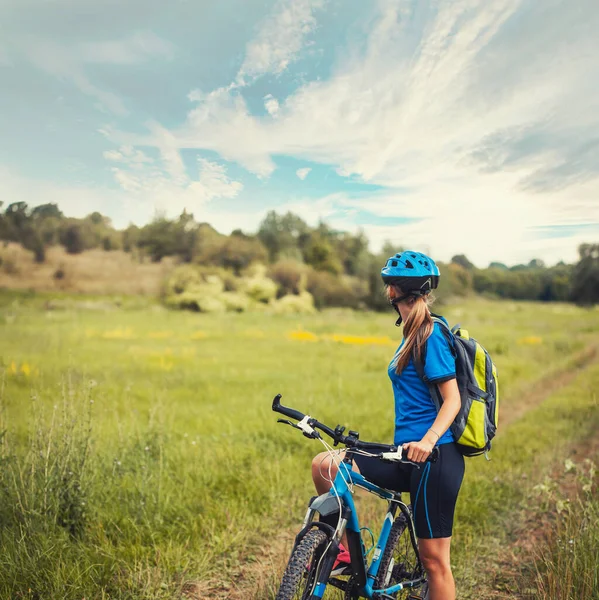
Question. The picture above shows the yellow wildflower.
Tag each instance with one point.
(302, 336)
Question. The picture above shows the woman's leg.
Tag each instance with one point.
(434, 491)
(324, 470)
(435, 558)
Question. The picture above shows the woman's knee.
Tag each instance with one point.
(435, 564)
(324, 467)
(319, 462)
(435, 557)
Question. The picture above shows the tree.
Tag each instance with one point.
(73, 239)
(47, 219)
(536, 263)
(47, 211)
(353, 253)
(585, 279)
(320, 254)
(460, 259)
(130, 238)
(281, 234)
(236, 252)
(19, 226)
(159, 238)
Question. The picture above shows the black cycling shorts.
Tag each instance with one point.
(433, 487)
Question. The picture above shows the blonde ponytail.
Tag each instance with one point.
(417, 329)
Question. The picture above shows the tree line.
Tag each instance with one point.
(336, 267)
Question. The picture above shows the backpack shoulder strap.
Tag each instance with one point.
(419, 363)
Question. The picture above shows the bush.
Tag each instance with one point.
(212, 290)
(257, 285)
(294, 304)
(180, 279)
(235, 302)
(329, 290)
(10, 263)
(290, 277)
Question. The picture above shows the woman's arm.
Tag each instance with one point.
(419, 451)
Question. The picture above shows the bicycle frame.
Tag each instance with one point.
(365, 576)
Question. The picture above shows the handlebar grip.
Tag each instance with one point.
(284, 410)
(433, 456)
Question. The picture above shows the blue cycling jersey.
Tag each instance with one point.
(415, 411)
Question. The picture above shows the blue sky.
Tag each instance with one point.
(451, 126)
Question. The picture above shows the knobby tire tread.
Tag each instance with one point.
(292, 577)
(398, 527)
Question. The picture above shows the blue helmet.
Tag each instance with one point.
(413, 272)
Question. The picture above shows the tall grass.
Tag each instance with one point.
(567, 567)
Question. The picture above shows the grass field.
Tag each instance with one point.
(141, 459)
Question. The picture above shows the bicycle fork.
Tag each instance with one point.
(328, 559)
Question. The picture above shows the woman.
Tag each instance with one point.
(409, 278)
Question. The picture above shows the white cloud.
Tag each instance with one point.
(165, 186)
(303, 173)
(213, 182)
(279, 40)
(271, 104)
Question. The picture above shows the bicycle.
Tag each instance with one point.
(395, 570)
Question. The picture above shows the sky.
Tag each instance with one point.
(447, 126)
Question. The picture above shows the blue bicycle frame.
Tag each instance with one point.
(340, 493)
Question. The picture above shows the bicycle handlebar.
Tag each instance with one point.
(308, 425)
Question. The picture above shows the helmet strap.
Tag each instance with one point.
(395, 301)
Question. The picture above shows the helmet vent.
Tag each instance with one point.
(413, 255)
(394, 263)
(409, 265)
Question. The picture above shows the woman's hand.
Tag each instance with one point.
(418, 451)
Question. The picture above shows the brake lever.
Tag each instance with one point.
(287, 422)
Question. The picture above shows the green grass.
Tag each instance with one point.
(141, 452)
(566, 566)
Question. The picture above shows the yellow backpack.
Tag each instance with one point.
(476, 423)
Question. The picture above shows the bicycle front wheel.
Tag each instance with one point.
(300, 575)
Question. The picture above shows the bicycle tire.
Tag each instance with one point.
(399, 561)
(300, 572)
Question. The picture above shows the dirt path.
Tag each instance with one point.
(533, 395)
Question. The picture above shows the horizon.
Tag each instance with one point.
(254, 233)
(466, 128)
